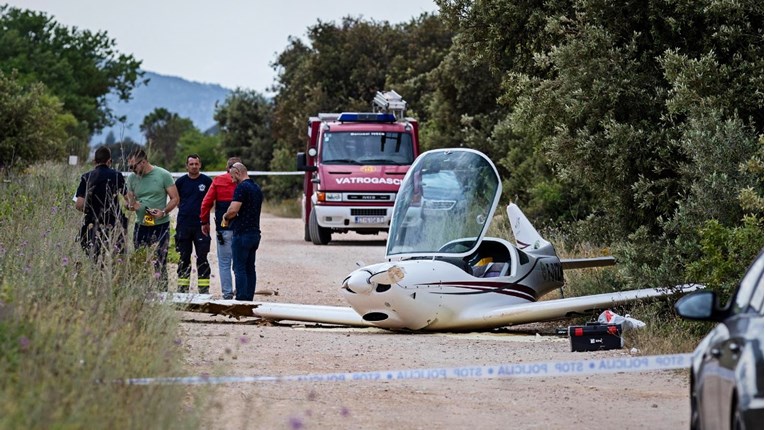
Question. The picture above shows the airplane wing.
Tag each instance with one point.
(271, 311)
(582, 263)
(566, 308)
(204, 303)
(310, 313)
(480, 319)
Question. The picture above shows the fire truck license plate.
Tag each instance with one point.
(370, 219)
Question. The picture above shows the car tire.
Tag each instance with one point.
(695, 417)
(737, 420)
(319, 235)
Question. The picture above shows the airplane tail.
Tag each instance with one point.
(526, 236)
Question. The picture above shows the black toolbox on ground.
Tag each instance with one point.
(595, 337)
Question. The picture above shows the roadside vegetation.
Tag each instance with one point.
(71, 329)
(665, 332)
(283, 208)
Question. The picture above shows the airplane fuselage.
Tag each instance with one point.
(439, 295)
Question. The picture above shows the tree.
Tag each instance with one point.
(78, 67)
(34, 126)
(163, 130)
(206, 146)
(341, 69)
(652, 112)
(121, 150)
(110, 139)
(245, 128)
(347, 63)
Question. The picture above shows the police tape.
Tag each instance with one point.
(516, 370)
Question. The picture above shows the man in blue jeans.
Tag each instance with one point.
(243, 215)
(220, 194)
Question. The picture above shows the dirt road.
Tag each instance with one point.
(304, 273)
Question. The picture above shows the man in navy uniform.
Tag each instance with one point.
(192, 188)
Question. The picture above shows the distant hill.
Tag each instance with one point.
(188, 99)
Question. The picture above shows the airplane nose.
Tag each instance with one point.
(392, 275)
(359, 283)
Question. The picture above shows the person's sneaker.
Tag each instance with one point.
(228, 297)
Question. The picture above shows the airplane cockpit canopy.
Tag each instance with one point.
(444, 205)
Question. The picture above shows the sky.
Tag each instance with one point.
(226, 42)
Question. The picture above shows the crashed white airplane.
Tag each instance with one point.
(441, 272)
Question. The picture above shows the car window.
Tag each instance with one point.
(756, 303)
(746, 291)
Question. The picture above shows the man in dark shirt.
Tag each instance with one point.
(192, 188)
(244, 216)
(104, 225)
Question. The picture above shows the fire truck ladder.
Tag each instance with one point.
(389, 102)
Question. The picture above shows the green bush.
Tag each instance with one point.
(726, 253)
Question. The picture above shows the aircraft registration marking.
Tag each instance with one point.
(551, 272)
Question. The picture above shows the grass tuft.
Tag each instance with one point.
(283, 208)
(70, 327)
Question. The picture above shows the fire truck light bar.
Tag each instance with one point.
(366, 117)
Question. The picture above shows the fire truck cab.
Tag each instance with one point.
(354, 163)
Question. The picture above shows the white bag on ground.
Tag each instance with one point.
(627, 322)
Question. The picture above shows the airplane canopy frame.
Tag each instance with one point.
(444, 206)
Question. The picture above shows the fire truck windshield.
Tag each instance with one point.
(378, 148)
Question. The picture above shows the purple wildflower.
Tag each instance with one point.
(244, 339)
(24, 343)
(344, 411)
(296, 423)
(64, 261)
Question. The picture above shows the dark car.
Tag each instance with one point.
(726, 373)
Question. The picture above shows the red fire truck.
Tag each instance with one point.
(354, 163)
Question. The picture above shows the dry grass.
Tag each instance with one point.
(283, 208)
(71, 328)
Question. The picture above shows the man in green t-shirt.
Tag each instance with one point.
(152, 195)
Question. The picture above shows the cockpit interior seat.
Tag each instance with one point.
(495, 269)
(480, 270)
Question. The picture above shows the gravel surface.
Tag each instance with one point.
(300, 272)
